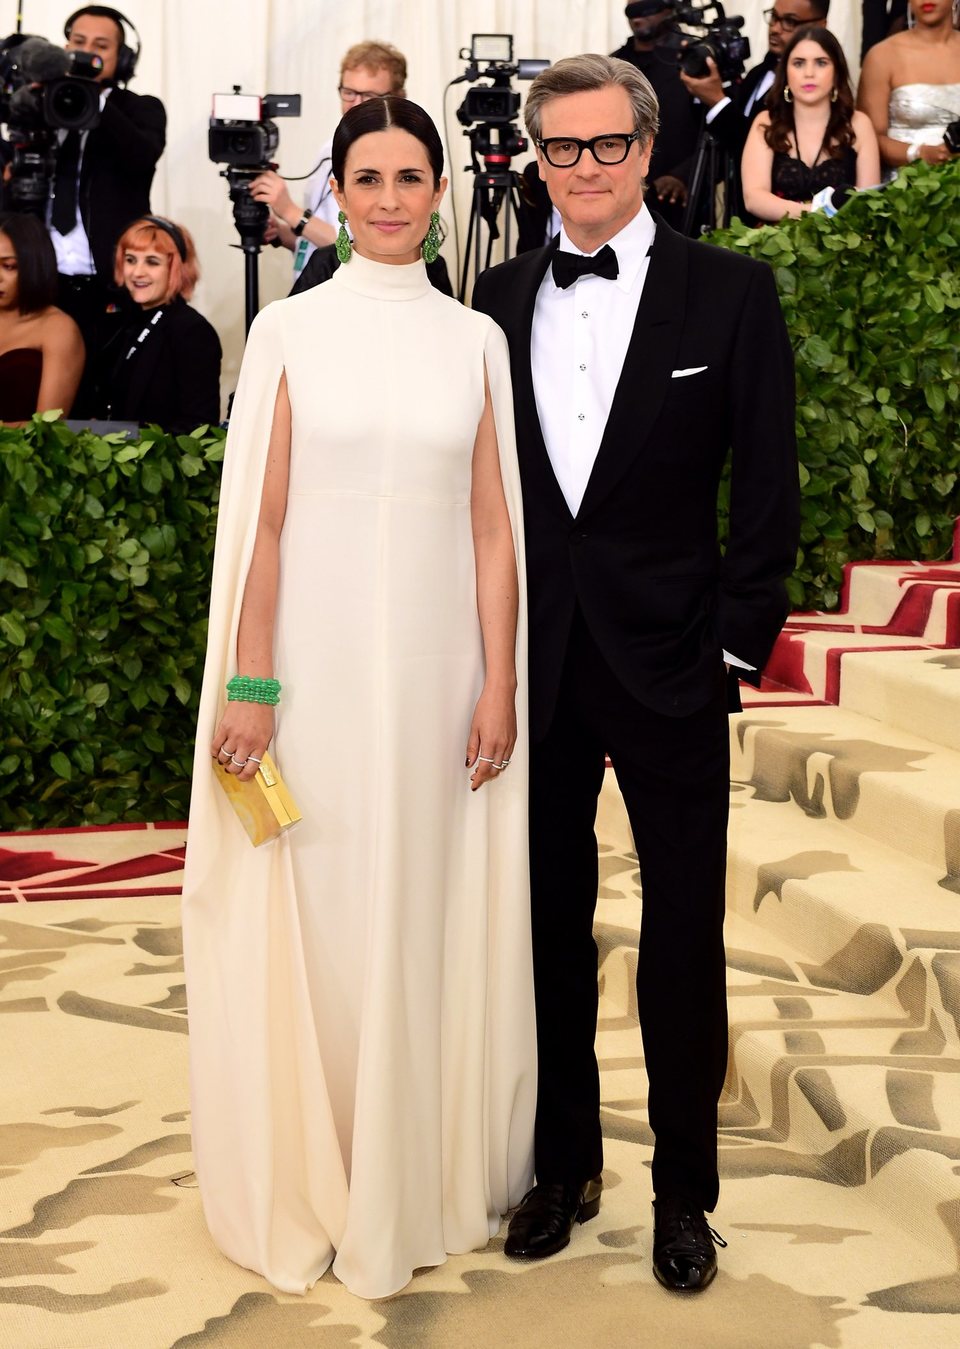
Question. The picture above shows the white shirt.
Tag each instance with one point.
(578, 344)
(577, 348)
(765, 83)
(74, 256)
(319, 199)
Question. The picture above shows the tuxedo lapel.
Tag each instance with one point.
(647, 367)
(531, 447)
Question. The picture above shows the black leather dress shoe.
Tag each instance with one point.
(684, 1259)
(543, 1222)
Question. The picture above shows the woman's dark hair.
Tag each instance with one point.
(36, 261)
(839, 133)
(378, 114)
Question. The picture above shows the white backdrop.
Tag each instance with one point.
(193, 48)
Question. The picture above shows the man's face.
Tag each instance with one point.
(358, 83)
(786, 17)
(647, 27)
(595, 200)
(99, 36)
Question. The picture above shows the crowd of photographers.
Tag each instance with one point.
(93, 295)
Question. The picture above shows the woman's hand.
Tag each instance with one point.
(935, 154)
(244, 733)
(493, 734)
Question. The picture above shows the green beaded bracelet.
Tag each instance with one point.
(247, 689)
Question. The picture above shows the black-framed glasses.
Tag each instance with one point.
(788, 22)
(565, 151)
(357, 95)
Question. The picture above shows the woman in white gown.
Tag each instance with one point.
(360, 992)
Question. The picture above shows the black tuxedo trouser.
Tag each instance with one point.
(673, 773)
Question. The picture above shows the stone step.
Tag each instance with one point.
(916, 691)
(884, 783)
(809, 660)
(915, 598)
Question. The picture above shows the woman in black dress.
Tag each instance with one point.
(163, 366)
(809, 137)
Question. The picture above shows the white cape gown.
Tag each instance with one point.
(362, 1037)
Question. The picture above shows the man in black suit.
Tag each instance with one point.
(730, 113)
(103, 177)
(641, 359)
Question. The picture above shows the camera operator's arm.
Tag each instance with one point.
(63, 360)
(756, 172)
(270, 188)
(134, 130)
(873, 98)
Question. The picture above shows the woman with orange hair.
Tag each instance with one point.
(163, 366)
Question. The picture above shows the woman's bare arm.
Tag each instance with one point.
(63, 360)
(756, 169)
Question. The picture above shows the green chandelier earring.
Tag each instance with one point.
(342, 244)
(431, 243)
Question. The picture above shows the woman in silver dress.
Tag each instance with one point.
(910, 86)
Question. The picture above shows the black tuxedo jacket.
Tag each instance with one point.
(731, 124)
(119, 160)
(641, 557)
(174, 378)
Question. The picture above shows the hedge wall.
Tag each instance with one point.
(105, 546)
(105, 556)
(872, 301)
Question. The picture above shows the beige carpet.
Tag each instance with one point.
(102, 1242)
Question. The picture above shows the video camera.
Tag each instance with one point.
(43, 90)
(494, 105)
(695, 39)
(242, 132)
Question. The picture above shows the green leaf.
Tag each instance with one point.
(98, 694)
(816, 351)
(934, 298)
(61, 765)
(13, 629)
(182, 689)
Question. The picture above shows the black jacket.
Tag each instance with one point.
(641, 556)
(119, 160)
(173, 379)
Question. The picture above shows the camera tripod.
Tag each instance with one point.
(713, 166)
(250, 217)
(494, 186)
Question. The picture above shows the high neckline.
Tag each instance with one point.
(383, 280)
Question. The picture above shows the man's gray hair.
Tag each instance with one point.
(576, 74)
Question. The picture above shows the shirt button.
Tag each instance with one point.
(580, 417)
(584, 314)
(583, 367)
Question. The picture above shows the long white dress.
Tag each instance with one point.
(362, 1042)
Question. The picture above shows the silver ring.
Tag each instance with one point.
(481, 759)
(228, 752)
(504, 764)
(252, 758)
(239, 763)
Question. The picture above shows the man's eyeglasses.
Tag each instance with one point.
(357, 95)
(565, 151)
(788, 22)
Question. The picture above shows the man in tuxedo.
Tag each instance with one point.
(730, 114)
(102, 178)
(640, 359)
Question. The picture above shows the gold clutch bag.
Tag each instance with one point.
(263, 804)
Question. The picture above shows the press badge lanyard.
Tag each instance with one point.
(144, 334)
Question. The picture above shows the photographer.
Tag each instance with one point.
(652, 22)
(103, 177)
(368, 70)
(730, 114)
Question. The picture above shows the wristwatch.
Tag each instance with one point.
(913, 152)
(301, 224)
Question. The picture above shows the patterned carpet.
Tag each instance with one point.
(837, 1237)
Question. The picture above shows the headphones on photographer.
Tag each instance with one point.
(127, 56)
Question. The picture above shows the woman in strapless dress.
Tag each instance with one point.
(41, 350)
(910, 86)
(808, 137)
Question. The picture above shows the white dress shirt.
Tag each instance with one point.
(763, 84)
(320, 200)
(577, 348)
(74, 255)
(578, 344)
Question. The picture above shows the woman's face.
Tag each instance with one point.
(931, 12)
(810, 73)
(146, 273)
(388, 195)
(9, 274)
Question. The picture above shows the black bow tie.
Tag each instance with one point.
(569, 267)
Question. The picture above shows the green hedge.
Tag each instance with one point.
(105, 557)
(872, 301)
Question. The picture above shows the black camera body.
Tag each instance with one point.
(243, 134)
(490, 56)
(719, 37)
(43, 90)
(951, 136)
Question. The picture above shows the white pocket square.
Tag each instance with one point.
(691, 370)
